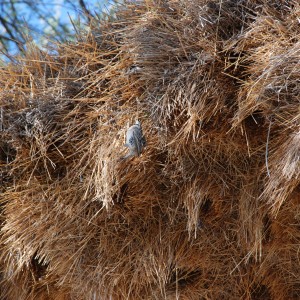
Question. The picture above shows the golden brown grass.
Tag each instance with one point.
(211, 208)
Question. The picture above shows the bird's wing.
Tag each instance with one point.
(137, 142)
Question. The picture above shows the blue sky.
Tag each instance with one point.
(59, 9)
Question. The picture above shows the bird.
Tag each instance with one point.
(135, 140)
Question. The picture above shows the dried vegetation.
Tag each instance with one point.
(211, 209)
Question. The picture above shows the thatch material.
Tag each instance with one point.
(211, 208)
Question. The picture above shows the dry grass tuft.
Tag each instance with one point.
(210, 210)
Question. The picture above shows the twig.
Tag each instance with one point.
(267, 148)
(1, 119)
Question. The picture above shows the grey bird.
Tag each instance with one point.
(135, 140)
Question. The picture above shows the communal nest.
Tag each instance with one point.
(210, 210)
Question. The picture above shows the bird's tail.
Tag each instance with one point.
(128, 155)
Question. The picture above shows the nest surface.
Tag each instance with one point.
(211, 208)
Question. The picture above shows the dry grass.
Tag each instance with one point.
(211, 208)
